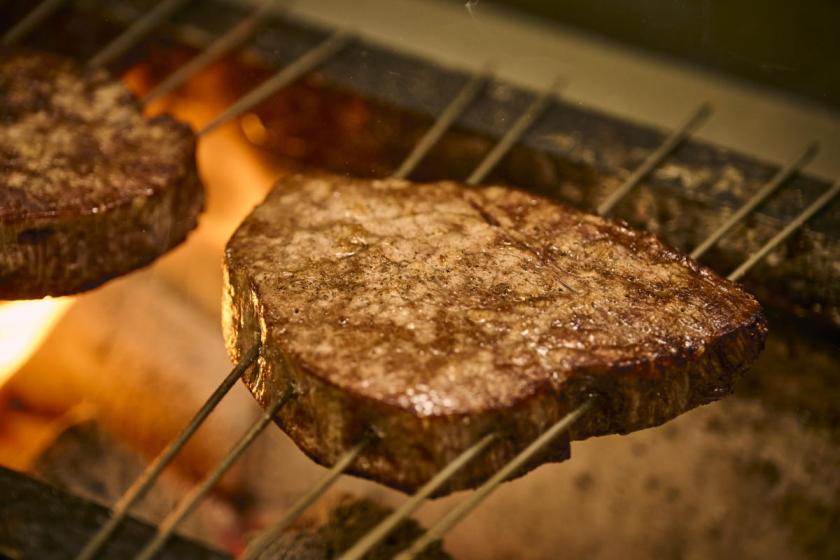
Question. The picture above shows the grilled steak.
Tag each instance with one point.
(89, 187)
(434, 314)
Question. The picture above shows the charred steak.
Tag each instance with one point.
(89, 187)
(433, 314)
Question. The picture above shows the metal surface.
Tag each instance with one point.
(794, 225)
(672, 141)
(235, 37)
(135, 33)
(191, 500)
(514, 133)
(456, 107)
(310, 60)
(460, 511)
(777, 181)
(147, 479)
(30, 21)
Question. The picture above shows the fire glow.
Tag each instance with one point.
(23, 326)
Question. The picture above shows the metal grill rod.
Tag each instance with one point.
(188, 504)
(408, 507)
(655, 158)
(444, 120)
(514, 133)
(148, 477)
(235, 37)
(31, 20)
(135, 33)
(453, 110)
(191, 500)
(460, 511)
(455, 515)
(303, 64)
(769, 188)
(229, 41)
(794, 225)
(265, 539)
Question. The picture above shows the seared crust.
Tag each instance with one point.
(89, 187)
(434, 314)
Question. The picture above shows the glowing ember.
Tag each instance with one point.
(23, 326)
(253, 129)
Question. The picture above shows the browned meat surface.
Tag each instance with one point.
(433, 314)
(89, 187)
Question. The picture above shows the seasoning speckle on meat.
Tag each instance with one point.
(436, 313)
(89, 187)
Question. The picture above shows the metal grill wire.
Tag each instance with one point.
(318, 55)
(310, 60)
(167, 526)
(460, 511)
(38, 15)
(234, 38)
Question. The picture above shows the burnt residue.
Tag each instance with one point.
(797, 374)
(765, 471)
(34, 236)
(812, 523)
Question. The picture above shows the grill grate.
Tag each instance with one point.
(32, 20)
(234, 38)
(302, 65)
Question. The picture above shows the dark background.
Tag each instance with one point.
(792, 46)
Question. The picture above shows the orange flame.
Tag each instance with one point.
(23, 326)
